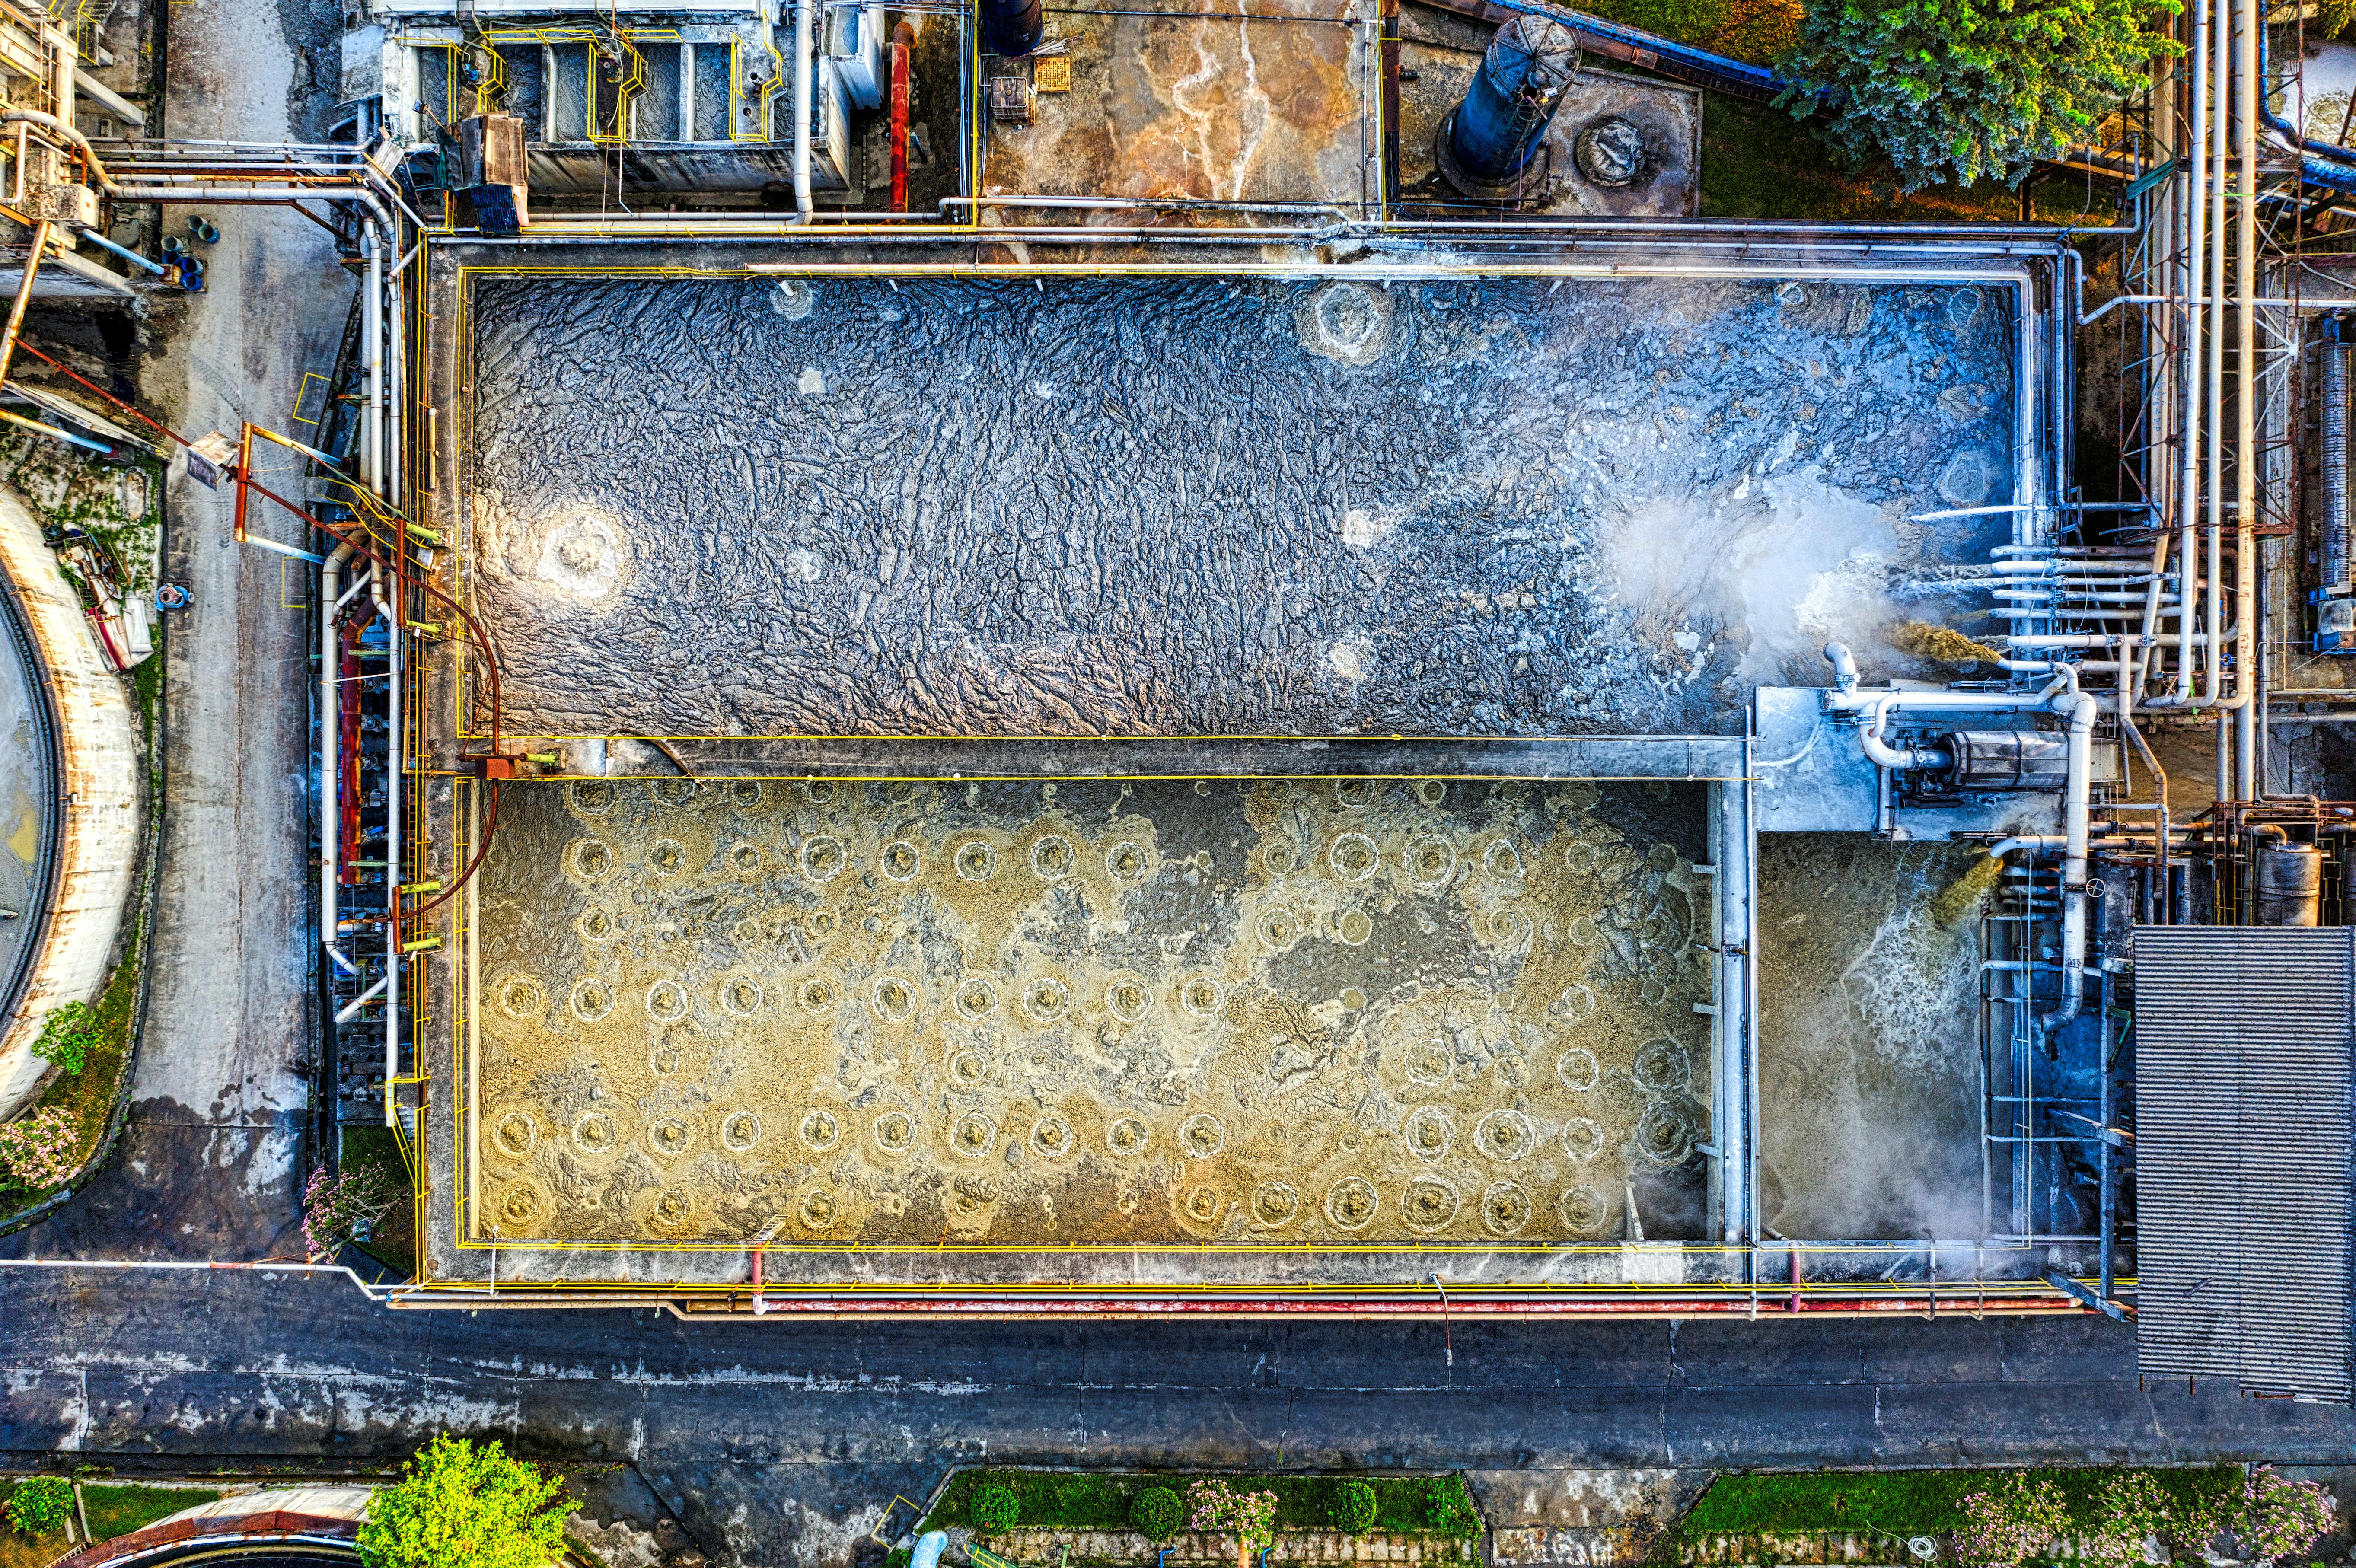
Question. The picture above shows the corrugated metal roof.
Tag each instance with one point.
(2244, 1138)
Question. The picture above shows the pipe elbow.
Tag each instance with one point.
(2031, 841)
(73, 138)
(1844, 663)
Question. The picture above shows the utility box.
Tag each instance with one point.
(494, 175)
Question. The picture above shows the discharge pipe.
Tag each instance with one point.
(2060, 696)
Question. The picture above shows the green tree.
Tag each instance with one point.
(458, 1506)
(1353, 1508)
(1966, 90)
(1157, 1513)
(995, 1508)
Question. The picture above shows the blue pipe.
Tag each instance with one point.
(1680, 62)
(2315, 147)
(132, 256)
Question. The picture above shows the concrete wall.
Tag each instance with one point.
(98, 850)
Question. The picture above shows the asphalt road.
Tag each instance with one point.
(779, 1442)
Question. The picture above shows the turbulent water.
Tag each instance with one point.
(1181, 507)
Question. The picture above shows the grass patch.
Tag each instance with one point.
(20, 1551)
(394, 1240)
(119, 1510)
(1906, 1502)
(1100, 1500)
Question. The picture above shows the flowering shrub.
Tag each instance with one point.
(2013, 1521)
(2279, 1517)
(41, 1150)
(2130, 1506)
(336, 1211)
(1251, 1516)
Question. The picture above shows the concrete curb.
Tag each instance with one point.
(98, 835)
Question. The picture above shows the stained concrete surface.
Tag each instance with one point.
(1442, 61)
(1250, 507)
(781, 1443)
(211, 1164)
(1340, 1012)
(25, 790)
(1869, 1046)
(1267, 101)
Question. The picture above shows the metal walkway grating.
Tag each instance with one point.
(2243, 1146)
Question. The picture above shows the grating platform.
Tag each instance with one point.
(1379, 1012)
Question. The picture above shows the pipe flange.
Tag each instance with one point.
(1532, 188)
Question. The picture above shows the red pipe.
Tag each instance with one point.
(1795, 1280)
(902, 37)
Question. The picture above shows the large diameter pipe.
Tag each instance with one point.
(373, 350)
(2079, 707)
(803, 108)
(24, 296)
(904, 37)
(1012, 28)
(393, 933)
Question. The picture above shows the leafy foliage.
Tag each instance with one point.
(1353, 1508)
(1447, 1507)
(2280, 1517)
(41, 1150)
(2012, 1521)
(2131, 1507)
(995, 1508)
(460, 1506)
(1250, 1516)
(41, 1505)
(68, 1034)
(1157, 1513)
(1962, 89)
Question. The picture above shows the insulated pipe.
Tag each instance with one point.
(2079, 707)
(2187, 500)
(1898, 760)
(372, 351)
(803, 44)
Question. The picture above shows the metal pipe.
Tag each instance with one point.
(24, 296)
(904, 37)
(372, 352)
(392, 613)
(65, 132)
(2080, 708)
(133, 257)
(2247, 92)
(2335, 453)
(331, 779)
(803, 204)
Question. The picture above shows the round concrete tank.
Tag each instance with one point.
(1497, 129)
(2289, 885)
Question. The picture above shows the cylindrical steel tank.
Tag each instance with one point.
(1011, 27)
(2005, 759)
(1497, 128)
(2289, 885)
